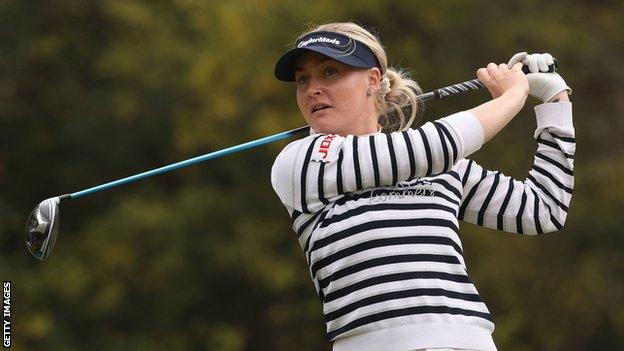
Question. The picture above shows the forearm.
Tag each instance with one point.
(496, 113)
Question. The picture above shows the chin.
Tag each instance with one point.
(324, 128)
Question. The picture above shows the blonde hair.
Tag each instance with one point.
(398, 91)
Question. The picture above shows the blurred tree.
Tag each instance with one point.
(204, 258)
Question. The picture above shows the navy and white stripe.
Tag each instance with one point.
(379, 223)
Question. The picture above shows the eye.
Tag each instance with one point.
(330, 71)
(302, 79)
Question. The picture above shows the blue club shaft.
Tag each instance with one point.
(192, 161)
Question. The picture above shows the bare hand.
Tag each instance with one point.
(500, 79)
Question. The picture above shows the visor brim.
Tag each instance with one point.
(285, 67)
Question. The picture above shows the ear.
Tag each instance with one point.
(374, 78)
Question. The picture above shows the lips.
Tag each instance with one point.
(319, 107)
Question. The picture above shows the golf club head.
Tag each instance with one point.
(42, 228)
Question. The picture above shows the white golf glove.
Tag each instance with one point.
(542, 85)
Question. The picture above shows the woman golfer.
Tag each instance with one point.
(377, 213)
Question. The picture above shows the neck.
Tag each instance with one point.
(365, 126)
(369, 125)
(367, 131)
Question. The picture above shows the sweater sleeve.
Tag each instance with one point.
(539, 204)
(315, 171)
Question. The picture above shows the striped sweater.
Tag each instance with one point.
(377, 217)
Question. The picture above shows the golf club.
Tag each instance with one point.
(43, 222)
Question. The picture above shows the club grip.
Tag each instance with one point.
(551, 68)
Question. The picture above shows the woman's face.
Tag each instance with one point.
(332, 95)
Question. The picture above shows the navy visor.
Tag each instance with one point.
(337, 46)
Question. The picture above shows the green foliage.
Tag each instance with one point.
(204, 258)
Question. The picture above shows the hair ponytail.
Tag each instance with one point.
(397, 103)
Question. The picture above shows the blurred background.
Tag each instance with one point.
(204, 258)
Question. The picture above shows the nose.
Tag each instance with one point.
(314, 89)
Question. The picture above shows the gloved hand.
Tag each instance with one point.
(543, 86)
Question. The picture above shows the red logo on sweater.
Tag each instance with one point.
(324, 148)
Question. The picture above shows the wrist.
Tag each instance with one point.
(516, 98)
(515, 94)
